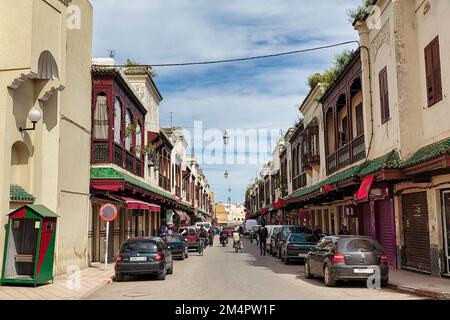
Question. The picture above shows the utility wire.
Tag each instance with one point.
(255, 57)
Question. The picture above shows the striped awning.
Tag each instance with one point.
(134, 204)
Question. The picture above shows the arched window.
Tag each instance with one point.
(101, 123)
(117, 121)
(138, 140)
(129, 137)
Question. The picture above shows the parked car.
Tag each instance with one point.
(177, 245)
(347, 258)
(248, 225)
(271, 232)
(297, 246)
(282, 235)
(190, 235)
(139, 256)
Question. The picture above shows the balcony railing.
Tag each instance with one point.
(102, 154)
(299, 181)
(178, 191)
(346, 155)
(164, 182)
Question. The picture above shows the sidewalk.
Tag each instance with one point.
(420, 284)
(65, 287)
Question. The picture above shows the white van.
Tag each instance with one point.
(248, 225)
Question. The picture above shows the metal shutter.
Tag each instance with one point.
(416, 232)
(386, 229)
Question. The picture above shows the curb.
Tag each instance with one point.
(420, 292)
(104, 283)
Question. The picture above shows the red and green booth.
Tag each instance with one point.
(29, 246)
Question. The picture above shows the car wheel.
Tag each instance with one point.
(162, 275)
(308, 274)
(328, 277)
(187, 254)
(384, 283)
(286, 260)
(170, 270)
(183, 256)
(119, 277)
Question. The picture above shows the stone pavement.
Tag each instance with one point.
(420, 284)
(65, 286)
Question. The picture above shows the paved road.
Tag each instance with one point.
(222, 274)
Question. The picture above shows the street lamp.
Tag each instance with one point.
(35, 115)
(226, 138)
(226, 174)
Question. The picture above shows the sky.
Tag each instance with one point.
(258, 94)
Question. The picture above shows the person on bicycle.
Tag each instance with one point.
(202, 235)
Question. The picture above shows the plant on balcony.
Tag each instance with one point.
(329, 76)
(131, 128)
(360, 12)
(148, 149)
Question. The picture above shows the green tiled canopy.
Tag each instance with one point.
(17, 193)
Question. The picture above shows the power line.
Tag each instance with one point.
(255, 57)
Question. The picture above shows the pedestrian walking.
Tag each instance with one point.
(263, 233)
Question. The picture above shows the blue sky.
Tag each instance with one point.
(253, 94)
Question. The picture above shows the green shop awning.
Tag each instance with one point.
(107, 173)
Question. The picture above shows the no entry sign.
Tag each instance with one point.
(108, 212)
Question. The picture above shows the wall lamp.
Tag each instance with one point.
(35, 115)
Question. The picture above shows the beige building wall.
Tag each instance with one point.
(56, 156)
(406, 28)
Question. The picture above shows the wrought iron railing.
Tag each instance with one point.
(101, 154)
(164, 182)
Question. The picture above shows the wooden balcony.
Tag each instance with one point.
(299, 181)
(178, 192)
(164, 183)
(103, 153)
(347, 155)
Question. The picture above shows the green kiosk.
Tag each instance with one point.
(29, 246)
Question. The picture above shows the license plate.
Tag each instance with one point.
(136, 259)
(302, 255)
(365, 271)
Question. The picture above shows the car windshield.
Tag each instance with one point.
(139, 247)
(359, 245)
(172, 238)
(302, 237)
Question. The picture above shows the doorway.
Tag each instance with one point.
(446, 227)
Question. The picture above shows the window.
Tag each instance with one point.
(359, 120)
(117, 121)
(138, 141)
(129, 137)
(433, 72)
(101, 123)
(384, 95)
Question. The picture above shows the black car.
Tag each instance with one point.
(347, 258)
(139, 256)
(282, 235)
(297, 246)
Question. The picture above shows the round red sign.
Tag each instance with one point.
(108, 212)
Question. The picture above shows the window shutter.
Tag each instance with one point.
(384, 95)
(429, 75)
(437, 80)
(359, 121)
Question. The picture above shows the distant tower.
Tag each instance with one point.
(112, 53)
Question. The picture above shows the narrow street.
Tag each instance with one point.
(223, 274)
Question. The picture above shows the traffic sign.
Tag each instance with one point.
(108, 212)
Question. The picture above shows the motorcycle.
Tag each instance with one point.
(223, 240)
(237, 246)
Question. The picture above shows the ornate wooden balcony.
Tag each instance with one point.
(347, 155)
(164, 182)
(102, 153)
